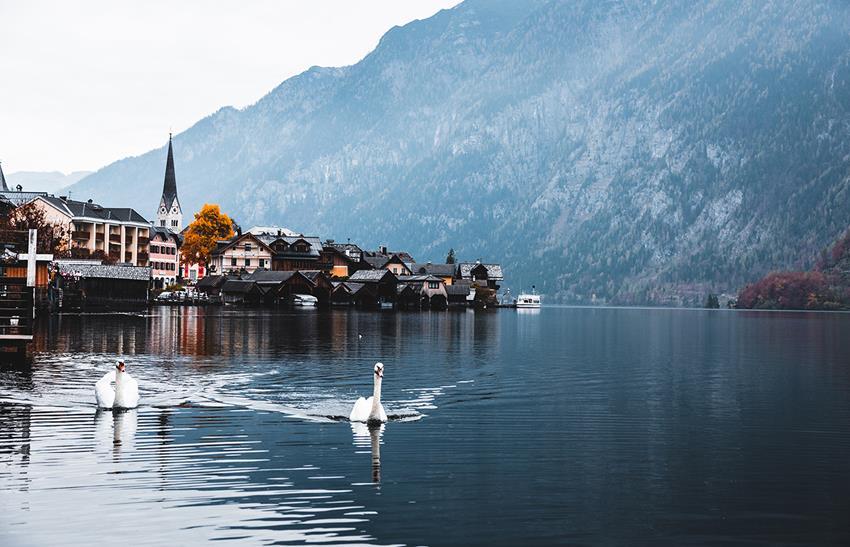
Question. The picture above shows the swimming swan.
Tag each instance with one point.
(125, 393)
(370, 410)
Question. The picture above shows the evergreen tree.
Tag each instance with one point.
(450, 258)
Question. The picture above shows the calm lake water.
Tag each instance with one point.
(558, 426)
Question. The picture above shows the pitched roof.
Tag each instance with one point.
(370, 276)
(442, 270)
(418, 278)
(314, 242)
(376, 262)
(457, 290)
(74, 208)
(169, 185)
(494, 271)
(165, 233)
(238, 286)
(271, 276)
(20, 198)
(223, 245)
(105, 271)
(211, 282)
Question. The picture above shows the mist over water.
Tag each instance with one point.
(566, 425)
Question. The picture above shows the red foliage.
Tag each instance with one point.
(789, 291)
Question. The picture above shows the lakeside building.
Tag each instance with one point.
(164, 257)
(251, 251)
(117, 234)
(490, 275)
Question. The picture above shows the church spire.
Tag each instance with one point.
(169, 186)
(170, 214)
(3, 185)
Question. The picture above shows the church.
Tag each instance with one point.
(165, 234)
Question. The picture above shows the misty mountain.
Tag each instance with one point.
(638, 151)
(46, 181)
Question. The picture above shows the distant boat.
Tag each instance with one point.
(306, 300)
(528, 300)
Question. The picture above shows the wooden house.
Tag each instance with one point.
(430, 289)
(245, 252)
(241, 291)
(446, 272)
(485, 275)
(383, 281)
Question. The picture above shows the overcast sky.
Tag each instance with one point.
(85, 83)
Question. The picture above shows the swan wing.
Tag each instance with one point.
(360, 412)
(104, 392)
(382, 415)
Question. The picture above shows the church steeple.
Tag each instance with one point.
(3, 185)
(170, 214)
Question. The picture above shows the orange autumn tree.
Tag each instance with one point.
(209, 226)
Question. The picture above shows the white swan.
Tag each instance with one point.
(371, 410)
(125, 392)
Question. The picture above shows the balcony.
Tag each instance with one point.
(142, 256)
(115, 238)
(98, 236)
(144, 241)
(80, 235)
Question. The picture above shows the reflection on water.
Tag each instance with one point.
(518, 427)
(370, 436)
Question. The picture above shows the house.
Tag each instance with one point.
(383, 281)
(337, 263)
(351, 293)
(245, 252)
(393, 263)
(322, 285)
(279, 287)
(241, 291)
(116, 234)
(446, 272)
(349, 249)
(293, 253)
(460, 294)
(487, 275)
(430, 289)
(164, 256)
(211, 285)
(87, 283)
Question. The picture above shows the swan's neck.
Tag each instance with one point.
(119, 376)
(376, 395)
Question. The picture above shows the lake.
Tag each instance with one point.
(516, 427)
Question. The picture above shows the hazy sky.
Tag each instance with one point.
(85, 83)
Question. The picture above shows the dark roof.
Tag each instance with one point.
(75, 208)
(457, 290)
(376, 262)
(105, 271)
(224, 244)
(3, 185)
(314, 242)
(238, 286)
(20, 198)
(494, 271)
(313, 275)
(442, 270)
(355, 288)
(370, 276)
(271, 277)
(211, 282)
(418, 278)
(164, 232)
(169, 185)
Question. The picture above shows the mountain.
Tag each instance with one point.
(48, 181)
(607, 150)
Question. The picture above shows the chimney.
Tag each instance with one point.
(19, 188)
(90, 201)
(383, 249)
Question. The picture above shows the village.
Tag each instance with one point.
(95, 256)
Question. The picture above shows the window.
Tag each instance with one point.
(433, 284)
(262, 263)
(173, 223)
(233, 261)
(247, 247)
(162, 223)
(247, 261)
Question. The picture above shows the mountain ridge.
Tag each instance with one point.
(640, 152)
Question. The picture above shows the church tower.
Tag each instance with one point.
(170, 214)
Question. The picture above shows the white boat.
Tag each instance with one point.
(305, 300)
(528, 300)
